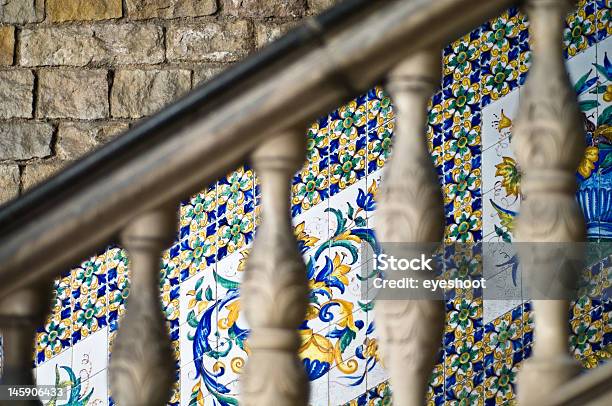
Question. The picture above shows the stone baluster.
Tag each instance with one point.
(548, 141)
(410, 210)
(142, 365)
(275, 288)
(20, 314)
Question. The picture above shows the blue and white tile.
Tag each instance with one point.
(312, 226)
(498, 155)
(193, 391)
(96, 389)
(196, 295)
(347, 381)
(319, 391)
(498, 210)
(45, 373)
(497, 119)
(90, 355)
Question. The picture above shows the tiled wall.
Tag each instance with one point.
(333, 205)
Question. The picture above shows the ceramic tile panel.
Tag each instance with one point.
(376, 373)
(581, 30)
(47, 373)
(500, 48)
(90, 355)
(599, 204)
(380, 141)
(604, 18)
(194, 391)
(333, 205)
(348, 124)
(312, 228)
(347, 380)
(379, 108)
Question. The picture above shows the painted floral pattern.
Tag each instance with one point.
(346, 151)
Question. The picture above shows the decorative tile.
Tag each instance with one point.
(347, 165)
(499, 213)
(348, 124)
(347, 380)
(312, 228)
(580, 32)
(500, 378)
(58, 367)
(349, 208)
(235, 231)
(586, 336)
(90, 278)
(380, 141)
(376, 373)
(318, 140)
(463, 362)
(499, 75)
(503, 336)
(199, 212)
(196, 296)
(310, 186)
(53, 338)
(118, 287)
(462, 188)
(198, 332)
(604, 19)
(90, 315)
(194, 390)
(319, 391)
(500, 172)
(234, 190)
(377, 395)
(465, 224)
(333, 208)
(379, 108)
(233, 330)
(95, 389)
(497, 119)
(90, 355)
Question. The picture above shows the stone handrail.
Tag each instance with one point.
(200, 139)
(130, 189)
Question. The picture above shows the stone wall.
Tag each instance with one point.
(75, 73)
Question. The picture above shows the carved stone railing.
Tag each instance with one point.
(275, 287)
(411, 211)
(141, 370)
(130, 189)
(548, 140)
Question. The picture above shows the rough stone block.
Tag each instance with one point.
(7, 45)
(81, 45)
(77, 138)
(142, 9)
(265, 8)
(34, 174)
(317, 6)
(268, 32)
(73, 94)
(213, 41)
(206, 72)
(9, 182)
(20, 141)
(16, 93)
(138, 93)
(21, 11)
(72, 10)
